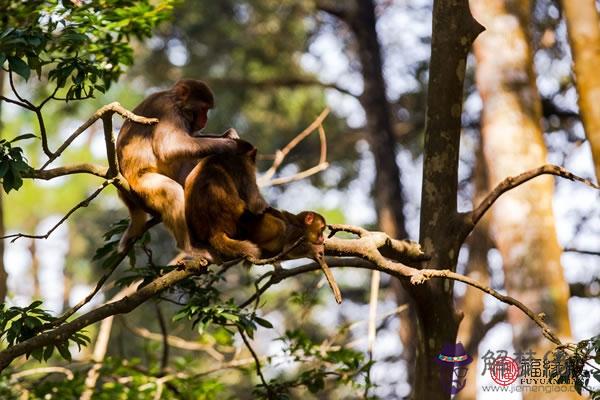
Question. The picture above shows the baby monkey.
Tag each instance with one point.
(293, 235)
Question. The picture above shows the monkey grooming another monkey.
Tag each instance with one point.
(156, 159)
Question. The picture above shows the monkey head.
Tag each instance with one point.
(314, 226)
(194, 98)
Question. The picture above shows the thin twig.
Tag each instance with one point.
(149, 224)
(165, 337)
(284, 252)
(298, 176)
(581, 251)
(174, 341)
(18, 103)
(281, 154)
(257, 363)
(513, 181)
(82, 204)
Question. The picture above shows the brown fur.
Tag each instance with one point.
(156, 159)
(219, 190)
(274, 231)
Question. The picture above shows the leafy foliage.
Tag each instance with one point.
(13, 163)
(18, 324)
(319, 363)
(577, 367)
(81, 45)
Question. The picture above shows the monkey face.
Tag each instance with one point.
(315, 227)
(200, 117)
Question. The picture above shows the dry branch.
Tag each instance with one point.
(513, 181)
(105, 113)
(267, 178)
(81, 204)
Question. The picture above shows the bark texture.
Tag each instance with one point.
(522, 220)
(454, 30)
(583, 25)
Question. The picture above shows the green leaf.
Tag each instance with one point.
(263, 322)
(19, 66)
(2, 59)
(48, 352)
(24, 136)
(4, 165)
(63, 349)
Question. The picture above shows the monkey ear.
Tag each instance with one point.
(252, 154)
(181, 90)
(309, 218)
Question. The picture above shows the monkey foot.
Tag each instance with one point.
(193, 260)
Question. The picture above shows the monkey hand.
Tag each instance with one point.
(231, 134)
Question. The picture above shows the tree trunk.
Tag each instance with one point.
(522, 220)
(583, 26)
(454, 30)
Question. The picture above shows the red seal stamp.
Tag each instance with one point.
(504, 371)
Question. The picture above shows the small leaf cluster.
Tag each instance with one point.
(205, 309)
(13, 163)
(319, 364)
(576, 367)
(84, 45)
(18, 324)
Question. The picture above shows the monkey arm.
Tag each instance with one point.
(174, 144)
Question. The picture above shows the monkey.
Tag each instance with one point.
(218, 191)
(277, 232)
(224, 208)
(156, 159)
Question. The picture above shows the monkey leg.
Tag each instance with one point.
(234, 248)
(137, 220)
(165, 196)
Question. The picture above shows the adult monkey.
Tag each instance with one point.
(156, 159)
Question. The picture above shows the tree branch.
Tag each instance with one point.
(82, 204)
(122, 306)
(85, 168)
(513, 181)
(317, 124)
(104, 112)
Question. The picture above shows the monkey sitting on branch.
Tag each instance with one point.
(156, 159)
(220, 195)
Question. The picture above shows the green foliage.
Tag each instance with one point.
(576, 367)
(13, 163)
(205, 308)
(82, 46)
(18, 324)
(320, 363)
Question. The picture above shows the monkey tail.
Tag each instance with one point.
(232, 247)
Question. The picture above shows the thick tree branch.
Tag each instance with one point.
(122, 306)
